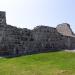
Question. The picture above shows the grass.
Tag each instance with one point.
(52, 63)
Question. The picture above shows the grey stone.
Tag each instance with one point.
(18, 41)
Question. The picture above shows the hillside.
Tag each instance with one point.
(53, 63)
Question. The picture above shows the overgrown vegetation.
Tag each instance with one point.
(53, 63)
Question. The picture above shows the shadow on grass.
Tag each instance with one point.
(33, 52)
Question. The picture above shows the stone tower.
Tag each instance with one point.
(2, 18)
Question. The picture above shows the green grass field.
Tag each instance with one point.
(52, 63)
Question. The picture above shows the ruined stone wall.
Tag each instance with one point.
(17, 41)
(64, 29)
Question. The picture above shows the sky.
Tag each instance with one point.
(31, 13)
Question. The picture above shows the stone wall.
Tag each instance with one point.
(64, 29)
(17, 41)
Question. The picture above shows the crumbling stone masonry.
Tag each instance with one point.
(17, 41)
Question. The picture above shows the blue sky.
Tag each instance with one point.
(30, 13)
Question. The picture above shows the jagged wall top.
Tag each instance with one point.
(63, 28)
